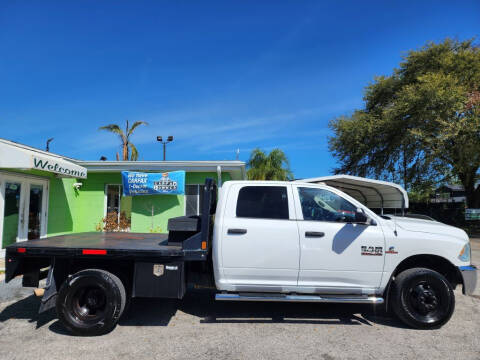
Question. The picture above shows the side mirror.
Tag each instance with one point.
(361, 217)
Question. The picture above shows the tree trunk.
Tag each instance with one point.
(125, 152)
(472, 194)
(473, 197)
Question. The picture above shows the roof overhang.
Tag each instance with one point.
(235, 168)
(375, 194)
(22, 157)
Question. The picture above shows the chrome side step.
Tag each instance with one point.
(300, 298)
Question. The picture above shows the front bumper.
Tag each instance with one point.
(469, 277)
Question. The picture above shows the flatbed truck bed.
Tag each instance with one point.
(97, 243)
(27, 257)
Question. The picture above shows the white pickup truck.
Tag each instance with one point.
(270, 241)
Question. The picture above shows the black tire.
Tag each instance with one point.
(422, 298)
(90, 302)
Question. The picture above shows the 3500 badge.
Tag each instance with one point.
(372, 250)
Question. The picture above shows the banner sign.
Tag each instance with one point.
(139, 183)
(472, 214)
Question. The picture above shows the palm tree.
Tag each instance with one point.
(127, 146)
(274, 166)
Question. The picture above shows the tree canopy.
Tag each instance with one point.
(124, 136)
(420, 125)
(272, 166)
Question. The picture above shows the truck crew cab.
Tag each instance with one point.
(262, 241)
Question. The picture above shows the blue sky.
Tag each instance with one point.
(216, 75)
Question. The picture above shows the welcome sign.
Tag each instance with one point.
(58, 167)
(140, 183)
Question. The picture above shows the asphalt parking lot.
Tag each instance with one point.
(198, 328)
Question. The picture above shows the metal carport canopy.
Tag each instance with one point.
(375, 194)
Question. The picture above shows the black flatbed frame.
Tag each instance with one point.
(114, 244)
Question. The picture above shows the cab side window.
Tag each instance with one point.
(265, 202)
(324, 205)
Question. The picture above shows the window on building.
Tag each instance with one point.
(118, 209)
(113, 199)
(193, 199)
(266, 202)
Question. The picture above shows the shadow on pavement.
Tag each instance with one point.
(210, 311)
(150, 312)
(158, 312)
(27, 309)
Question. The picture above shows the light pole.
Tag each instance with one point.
(169, 139)
(47, 148)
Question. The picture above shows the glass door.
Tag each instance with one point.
(35, 211)
(23, 208)
(11, 212)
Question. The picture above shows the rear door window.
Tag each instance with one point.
(265, 202)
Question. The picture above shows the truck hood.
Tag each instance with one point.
(428, 226)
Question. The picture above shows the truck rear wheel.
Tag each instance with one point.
(90, 302)
(422, 298)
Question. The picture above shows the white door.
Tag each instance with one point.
(260, 245)
(23, 208)
(336, 254)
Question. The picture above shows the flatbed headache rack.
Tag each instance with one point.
(188, 240)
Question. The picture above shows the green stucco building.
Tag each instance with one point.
(44, 194)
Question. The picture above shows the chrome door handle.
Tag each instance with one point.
(237, 231)
(314, 234)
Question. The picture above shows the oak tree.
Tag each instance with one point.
(421, 124)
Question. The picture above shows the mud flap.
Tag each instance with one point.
(55, 278)
(12, 267)
(386, 293)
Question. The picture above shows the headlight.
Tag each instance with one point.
(465, 253)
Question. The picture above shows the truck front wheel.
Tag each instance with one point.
(90, 302)
(422, 298)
